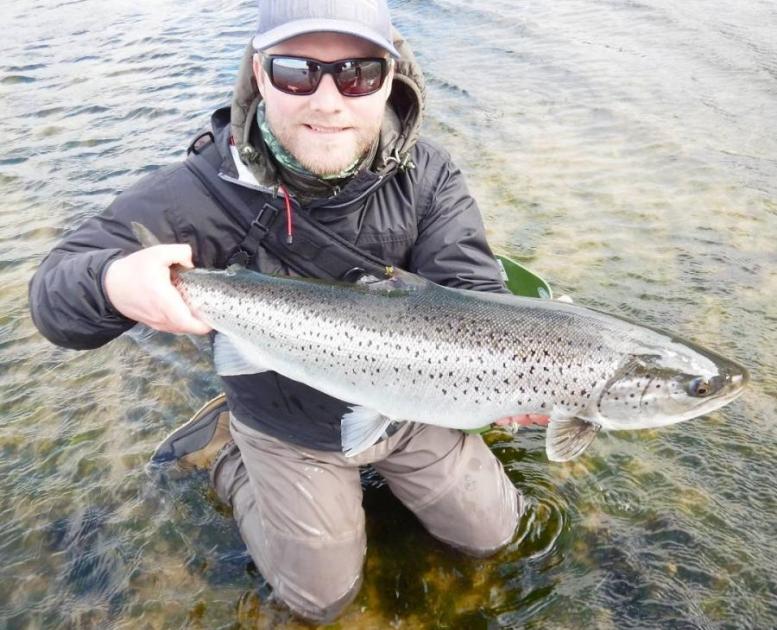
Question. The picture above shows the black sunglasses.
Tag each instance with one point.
(302, 75)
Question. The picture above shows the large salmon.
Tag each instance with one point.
(408, 349)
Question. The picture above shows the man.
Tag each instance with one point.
(317, 164)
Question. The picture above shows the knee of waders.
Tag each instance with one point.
(478, 532)
(491, 535)
(320, 598)
(318, 578)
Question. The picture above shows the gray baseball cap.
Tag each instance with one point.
(280, 20)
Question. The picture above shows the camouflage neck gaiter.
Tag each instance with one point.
(288, 161)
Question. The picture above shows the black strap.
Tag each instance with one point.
(200, 142)
(315, 251)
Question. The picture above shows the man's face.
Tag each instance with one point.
(326, 131)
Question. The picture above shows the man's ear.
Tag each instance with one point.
(258, 73)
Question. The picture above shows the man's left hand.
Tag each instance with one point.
(524, 420)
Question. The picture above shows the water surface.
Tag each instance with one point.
(624, 150)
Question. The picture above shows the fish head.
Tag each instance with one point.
(668, 383)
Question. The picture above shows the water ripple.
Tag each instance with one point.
(621, 149)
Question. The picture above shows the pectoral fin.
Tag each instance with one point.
(568, 437)
(234, 360)
(361, 428)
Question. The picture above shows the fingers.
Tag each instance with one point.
(177, 316)
(524, 420)
(168, 255)
(540, 419)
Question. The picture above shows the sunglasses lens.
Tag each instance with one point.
(359, 77)
(353, 77)
(295, 76)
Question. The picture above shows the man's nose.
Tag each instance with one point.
(327, 97)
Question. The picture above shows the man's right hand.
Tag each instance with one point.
(139, 287)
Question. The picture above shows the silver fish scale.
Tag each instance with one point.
(431, 354)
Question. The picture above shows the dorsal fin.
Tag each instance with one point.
(145, 237)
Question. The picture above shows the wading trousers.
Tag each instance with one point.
(300, 513)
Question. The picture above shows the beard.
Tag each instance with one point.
(325, 154)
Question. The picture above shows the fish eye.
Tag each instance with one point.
(699, 387)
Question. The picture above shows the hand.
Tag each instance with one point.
(139, 287)
(524, 420)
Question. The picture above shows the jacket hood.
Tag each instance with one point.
(398, 135)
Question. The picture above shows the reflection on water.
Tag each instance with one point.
(624, 150)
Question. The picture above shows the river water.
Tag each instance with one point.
(624, 150)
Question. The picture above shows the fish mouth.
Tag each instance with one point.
(731, 378)
(735, 378)
(737, 374)
(729, 384)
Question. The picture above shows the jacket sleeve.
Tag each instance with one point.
(451, 248)
(67, 301)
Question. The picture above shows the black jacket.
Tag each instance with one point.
(421, 219)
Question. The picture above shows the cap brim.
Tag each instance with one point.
(281, 33)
